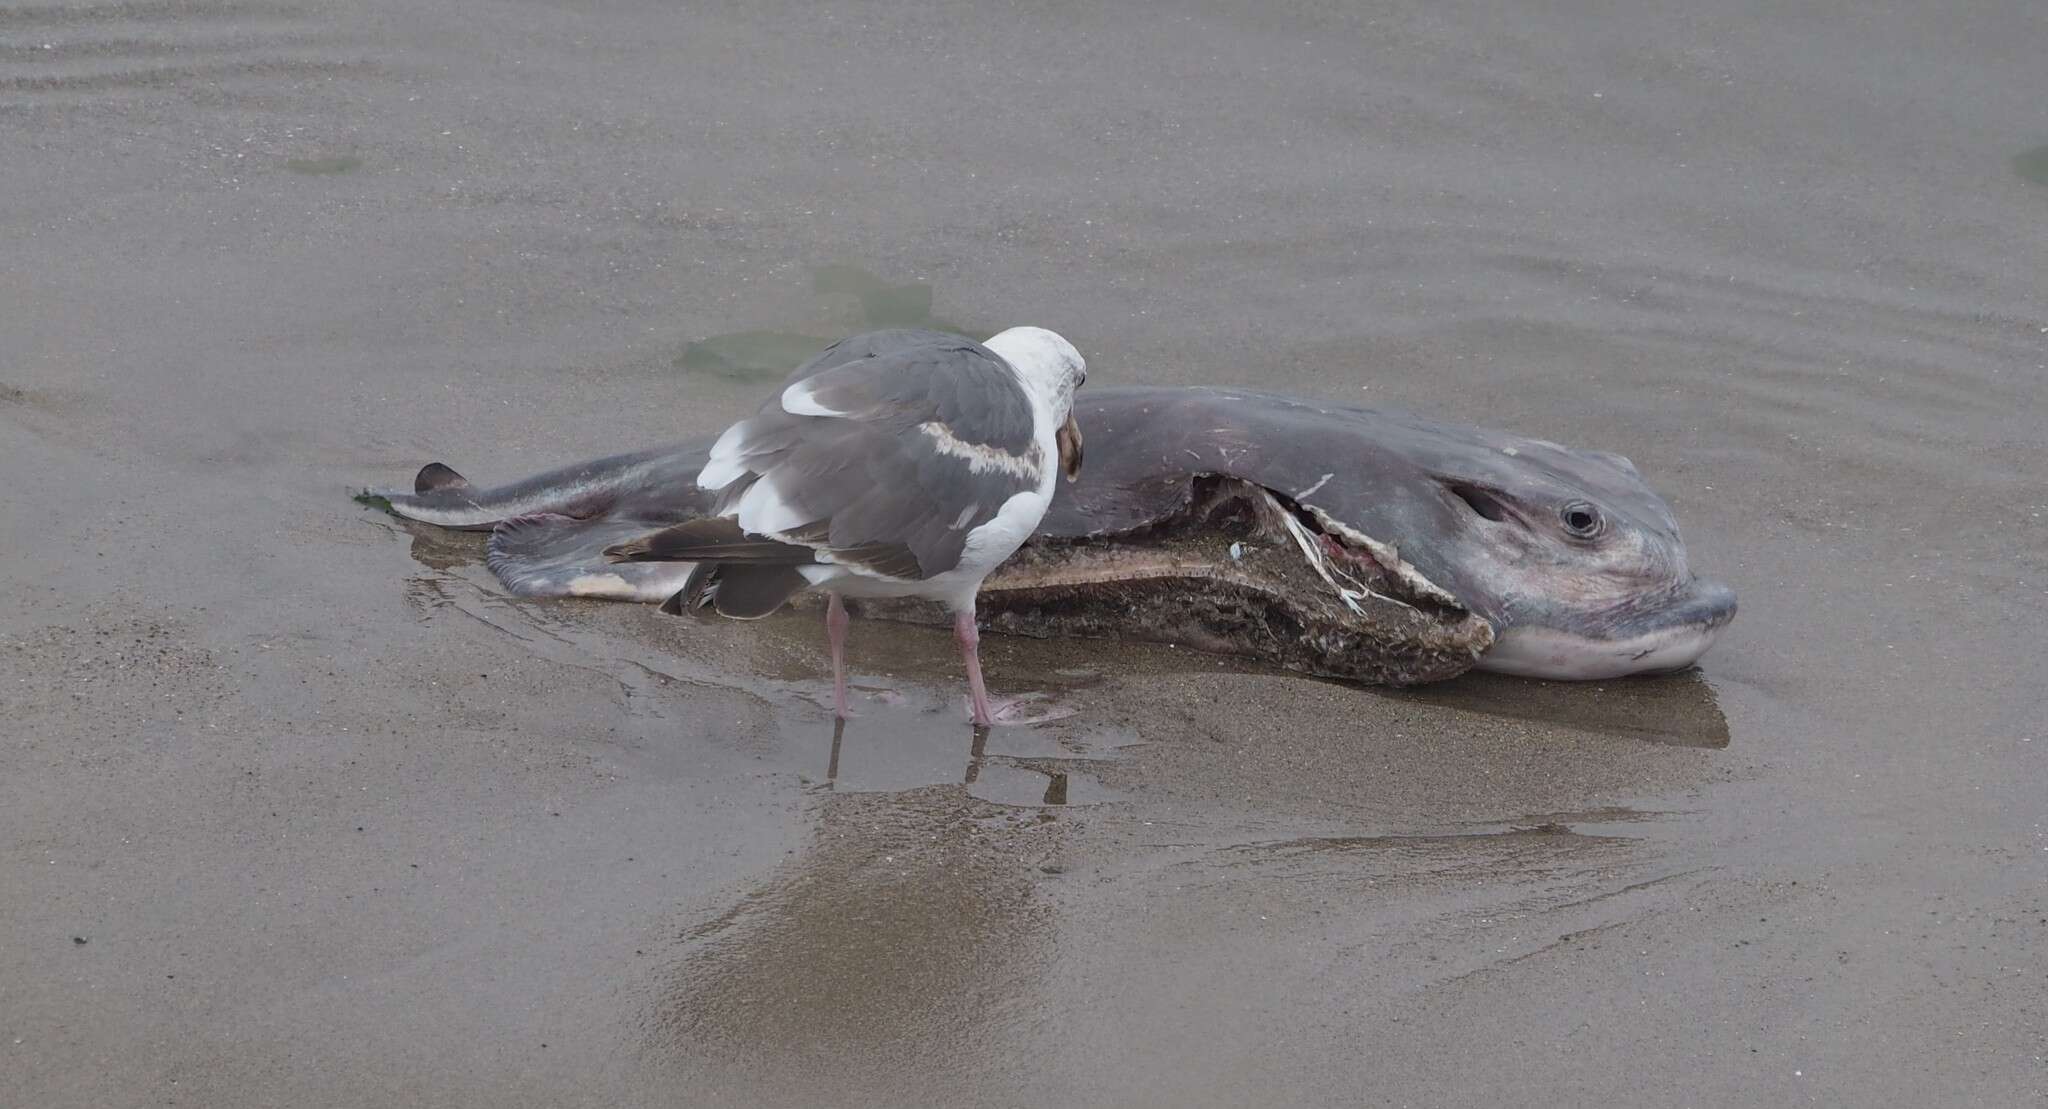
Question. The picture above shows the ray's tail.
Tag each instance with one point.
(446, 498)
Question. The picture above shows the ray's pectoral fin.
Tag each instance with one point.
(560, 556)
(681, 601)
(696, 590)
(435, 477)
(748, 591)
(741, 590)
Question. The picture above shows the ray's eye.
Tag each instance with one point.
(1581, 519)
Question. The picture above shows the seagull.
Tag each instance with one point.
(898, 463)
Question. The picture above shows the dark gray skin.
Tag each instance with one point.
(1367, 545)
(1571, 558)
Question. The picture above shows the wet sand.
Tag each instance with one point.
(298, 808)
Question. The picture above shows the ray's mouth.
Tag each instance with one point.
(1657, 635)
(1705, 606)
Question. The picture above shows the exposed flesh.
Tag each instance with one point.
(1241, 572)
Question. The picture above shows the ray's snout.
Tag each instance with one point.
(1712, 605)
(1687, 629)
(1670, 634)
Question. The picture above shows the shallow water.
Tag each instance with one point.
(299, 809)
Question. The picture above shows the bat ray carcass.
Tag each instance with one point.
(1366, 545)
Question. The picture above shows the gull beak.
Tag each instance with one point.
(1069, 439)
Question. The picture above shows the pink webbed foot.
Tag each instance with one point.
(1031, 708)
(1026, 709)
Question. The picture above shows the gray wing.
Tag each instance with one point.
(920, 376)
(887, 461)
(870, 344)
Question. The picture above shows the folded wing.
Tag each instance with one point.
(882, 455)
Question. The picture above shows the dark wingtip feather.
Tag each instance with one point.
(708, 538)
(633, 550)
(684, 542)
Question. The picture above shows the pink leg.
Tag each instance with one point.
(970, 649)
(836, 621)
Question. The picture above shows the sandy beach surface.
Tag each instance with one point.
(298, 808)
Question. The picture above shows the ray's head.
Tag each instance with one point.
(1578, 561)
(1047, 363)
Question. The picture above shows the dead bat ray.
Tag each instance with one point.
(1373, 546)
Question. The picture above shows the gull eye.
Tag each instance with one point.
(1581, 519)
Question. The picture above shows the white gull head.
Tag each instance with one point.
(1048, 365)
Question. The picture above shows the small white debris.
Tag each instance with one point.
(1236, 552)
